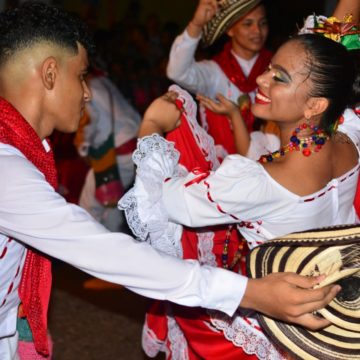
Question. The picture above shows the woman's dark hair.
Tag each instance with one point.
(34, 22)
(332, 72)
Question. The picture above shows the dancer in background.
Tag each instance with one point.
(109, 139)
(233, 71)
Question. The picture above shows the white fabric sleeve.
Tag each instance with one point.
(351, 126)
(34, 214)
(156, 160)
(239, 190)
(261, 144)
(196, 77)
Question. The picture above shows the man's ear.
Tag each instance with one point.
(49, 72)
(315, 106)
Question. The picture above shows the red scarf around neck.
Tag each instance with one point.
(230, 66)
(35, 285)
(219, 126)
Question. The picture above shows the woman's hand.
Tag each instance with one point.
(290, 297)
(222, 106)
(161, 116)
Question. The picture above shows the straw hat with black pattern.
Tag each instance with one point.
(334, 251)
(229, 12)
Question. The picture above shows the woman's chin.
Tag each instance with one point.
(259, 111)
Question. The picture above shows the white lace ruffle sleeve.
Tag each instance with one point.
(156, 160)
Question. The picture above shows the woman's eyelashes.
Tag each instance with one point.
(278, 75)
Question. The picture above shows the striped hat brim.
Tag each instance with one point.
(333, 251)
(229, 12)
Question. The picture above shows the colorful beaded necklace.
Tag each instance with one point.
(316, 140)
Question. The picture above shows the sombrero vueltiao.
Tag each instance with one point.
(332, 251)
(229, 12)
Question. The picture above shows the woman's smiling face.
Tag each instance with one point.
(284, 87)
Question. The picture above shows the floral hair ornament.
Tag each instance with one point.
(346, 32)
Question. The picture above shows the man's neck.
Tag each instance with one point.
(243, 53)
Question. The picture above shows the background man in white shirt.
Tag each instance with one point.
(233, 71)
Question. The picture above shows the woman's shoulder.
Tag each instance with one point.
(349, 124)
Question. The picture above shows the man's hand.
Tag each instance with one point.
(161, 116)
(203, 14)
(290, 297)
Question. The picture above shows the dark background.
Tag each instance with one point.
(134, 36)
(283, 14)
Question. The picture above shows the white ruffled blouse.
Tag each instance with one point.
(239, 191)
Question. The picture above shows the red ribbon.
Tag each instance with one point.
(337, 28)
(202, 174)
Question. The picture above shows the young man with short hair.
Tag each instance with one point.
(43, 63)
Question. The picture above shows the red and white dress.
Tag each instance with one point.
(239, 191)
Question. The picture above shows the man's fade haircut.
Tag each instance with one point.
(34, 22)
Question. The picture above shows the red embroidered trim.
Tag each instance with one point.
(251, 324)
(126, 148)
(11, 286)
(247, 224)
(217, 205)
(332, 186)
(201, 176)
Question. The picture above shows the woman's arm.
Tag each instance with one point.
(226, 107)
(161, 116)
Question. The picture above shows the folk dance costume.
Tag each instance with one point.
(227, 74)
(241, 192)
(34, 216)
(171, 328)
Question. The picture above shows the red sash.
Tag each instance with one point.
(126, 148)
(230, 66)
(35, 286)
(219, 126)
